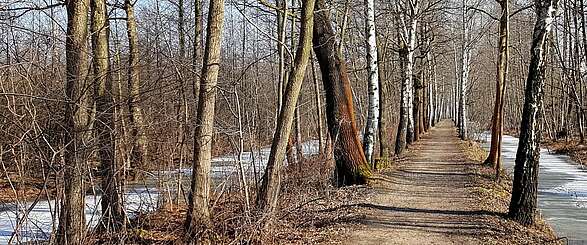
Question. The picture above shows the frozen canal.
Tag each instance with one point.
(562, 190)
(39, 222)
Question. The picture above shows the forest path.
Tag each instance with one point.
(426, 199)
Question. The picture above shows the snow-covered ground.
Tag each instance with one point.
(562, 190)
(39, 222)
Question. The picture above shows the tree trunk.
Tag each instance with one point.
(138, 141)
(409, 70)
(199, 197)
(494, 158)
(72, 222)
(525, 185)
(282, 79)
(321, 138)
(464, 76)
(351, 165)
(384, 139)
(270, 187)
(198, 46)
(416, 105)
(112, 210)
(371, 126)
(400, 139)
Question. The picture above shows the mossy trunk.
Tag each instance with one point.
(351, 164)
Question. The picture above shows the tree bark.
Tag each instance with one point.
(321, 138)
(271, 183)
(494, 157)
(400, 139)
(372, 123)
(384, 137)
(416, 105)
(138, 141)
(198, 211)
(351, 165)
(112, 210)
(71, 217)
(198, 46)
(464, 76)
(525, 185)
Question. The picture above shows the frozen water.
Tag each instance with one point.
(562, 189)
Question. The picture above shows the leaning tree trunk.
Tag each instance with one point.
(270, 187)
(112, 211)
(525, 185)
(71, 217)
(372, 84)
(138, 141)
(494, 157)
(199, 198)
(351, 165)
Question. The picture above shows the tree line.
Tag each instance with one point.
(177, 88)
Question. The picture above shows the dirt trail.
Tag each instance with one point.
(427, 199)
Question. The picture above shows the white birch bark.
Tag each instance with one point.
(408, 23)
(464, 74)
(373, 83)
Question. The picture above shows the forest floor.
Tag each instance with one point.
(440, 193)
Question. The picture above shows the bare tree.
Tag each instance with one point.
(373, 83)
(525, 186)
(72, 217)
(494, 157)
(407, 22)
(112, 211)
(351, 164)
(138, 139)
(199, 197)
(269, 192)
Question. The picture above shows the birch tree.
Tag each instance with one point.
(465, 53)
(372, 83)
(407, 22)
(525, 184)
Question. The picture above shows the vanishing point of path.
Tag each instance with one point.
(426, 199)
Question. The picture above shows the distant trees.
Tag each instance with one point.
(199, 197)
(525, 186)
(72, 224)
(426, 62)
(351, 164)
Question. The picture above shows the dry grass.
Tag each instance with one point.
(311, 211)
